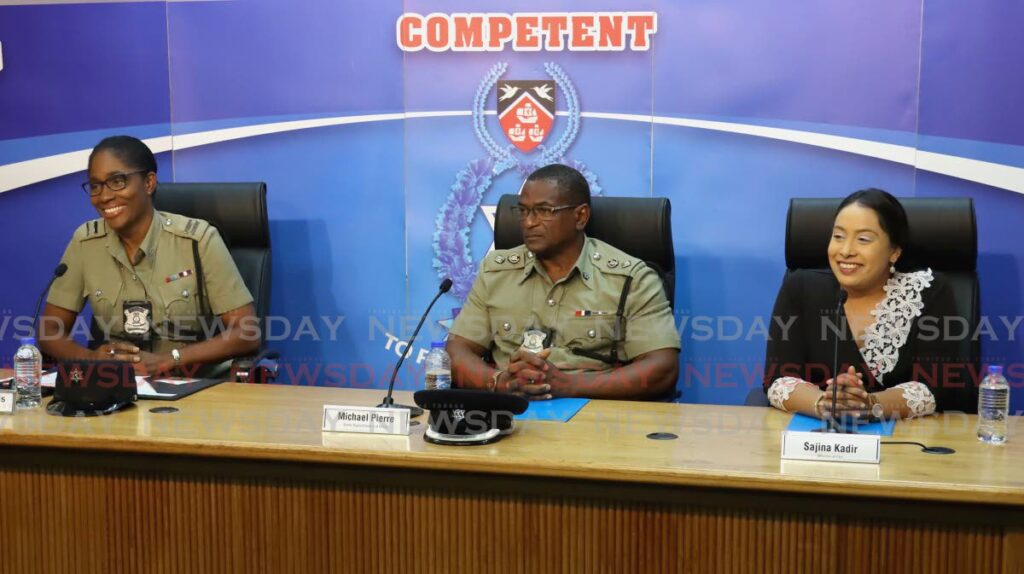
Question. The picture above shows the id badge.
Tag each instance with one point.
(138, 320)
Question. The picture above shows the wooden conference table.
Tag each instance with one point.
(241, 478)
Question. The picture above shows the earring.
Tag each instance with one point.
(892, 268)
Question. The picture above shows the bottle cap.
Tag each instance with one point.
(28, 341)
(995, 369)
(437, 345)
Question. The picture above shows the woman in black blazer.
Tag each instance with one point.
(894, 357)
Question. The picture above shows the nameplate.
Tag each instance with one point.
(373, 420)
(8, 397)
(831, 447)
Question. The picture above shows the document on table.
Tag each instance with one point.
(145, 390)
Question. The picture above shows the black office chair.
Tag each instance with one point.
(943, 236)
(640, 226)
(239, 212)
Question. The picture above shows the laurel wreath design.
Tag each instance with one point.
(451, 227)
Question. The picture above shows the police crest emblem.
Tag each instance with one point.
(526, 114)
(526, 111)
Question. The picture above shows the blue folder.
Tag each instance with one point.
(560, 410)
(805, 423)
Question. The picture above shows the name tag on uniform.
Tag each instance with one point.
(372, 420)
(831, 447)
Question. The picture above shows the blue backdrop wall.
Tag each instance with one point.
(736, 107)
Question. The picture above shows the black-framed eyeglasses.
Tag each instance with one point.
(116, 182)
(542, 212)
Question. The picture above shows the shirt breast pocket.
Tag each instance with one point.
(508, 329)
(181, 304)
(594, 333)
(106, 312)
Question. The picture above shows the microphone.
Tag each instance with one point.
(834, 422)
(58, 272)
(389, 402)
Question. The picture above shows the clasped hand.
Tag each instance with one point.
(851, 396)
(531, 375)
(145, 363)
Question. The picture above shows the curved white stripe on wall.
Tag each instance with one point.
(1008, 177)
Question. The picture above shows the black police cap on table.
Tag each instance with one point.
(86, 388)
(466, 417)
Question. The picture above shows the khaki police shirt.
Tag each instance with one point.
(163, 273)
(513, 293)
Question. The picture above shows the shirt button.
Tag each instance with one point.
(591, 333)
(551, 302)
(135, 277)
(506, 326)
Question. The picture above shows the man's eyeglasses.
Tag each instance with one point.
(542, 212)
(116, 182)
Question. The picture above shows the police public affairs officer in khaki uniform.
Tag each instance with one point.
(570, 288)
(136, 268)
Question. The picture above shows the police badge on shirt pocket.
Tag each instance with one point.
(509, 328)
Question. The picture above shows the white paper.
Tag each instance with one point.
(146, 390)
(176, 381)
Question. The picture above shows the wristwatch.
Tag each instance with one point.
(176, 355)
(877, 410)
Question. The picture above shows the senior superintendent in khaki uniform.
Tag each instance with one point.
(570, 287)
(135, 253)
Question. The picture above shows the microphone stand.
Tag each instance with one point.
(58, 272)
(834, 425)
(389, 401)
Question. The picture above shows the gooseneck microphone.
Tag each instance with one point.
(58, 272)
(834, 422)
(389, 402)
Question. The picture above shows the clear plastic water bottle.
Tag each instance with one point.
(993, 406)
(439, 368)
(28, 367)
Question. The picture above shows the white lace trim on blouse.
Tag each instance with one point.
(919, 398)
(778, 393)
(894, 316)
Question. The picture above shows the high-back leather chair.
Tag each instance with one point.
(239, 212)
(943, 236)
(640, 226)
